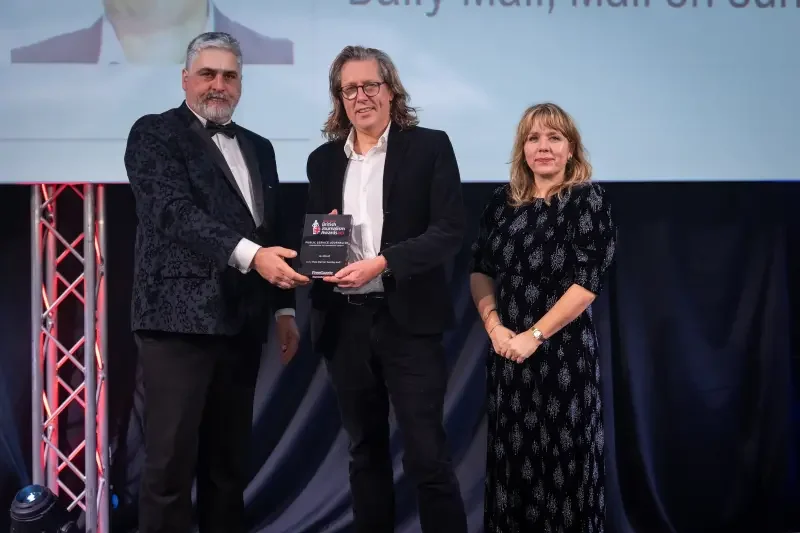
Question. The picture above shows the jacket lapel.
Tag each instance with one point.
(196, 127)
(89, 48)
(250, 159)
(395, 151)
(338, 170)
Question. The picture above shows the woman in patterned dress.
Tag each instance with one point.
(545, 242)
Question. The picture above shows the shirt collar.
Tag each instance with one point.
(349, 149)
(111, 50)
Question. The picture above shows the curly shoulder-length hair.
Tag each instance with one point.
(579, 170)
(338, 126)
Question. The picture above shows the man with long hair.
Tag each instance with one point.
(379, 321)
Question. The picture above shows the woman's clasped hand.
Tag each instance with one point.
(513, 346)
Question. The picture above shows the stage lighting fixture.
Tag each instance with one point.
(36, 509)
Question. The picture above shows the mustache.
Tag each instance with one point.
(214, 95)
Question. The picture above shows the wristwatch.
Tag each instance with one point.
(386, 271)
(538, 335)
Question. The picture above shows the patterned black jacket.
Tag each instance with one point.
(191, 216)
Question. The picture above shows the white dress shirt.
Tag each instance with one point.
(363, 199)
(245, 251)
(111, 52)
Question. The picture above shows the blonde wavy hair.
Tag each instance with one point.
(337, 127)
(522, 188)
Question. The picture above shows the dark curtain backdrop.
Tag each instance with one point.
(699, 325)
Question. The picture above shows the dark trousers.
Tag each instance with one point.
(372, 362)
(198, 413)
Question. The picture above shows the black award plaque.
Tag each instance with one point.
(326, 239)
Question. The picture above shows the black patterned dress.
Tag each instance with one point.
(545, 466)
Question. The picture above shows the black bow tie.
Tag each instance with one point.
(228, 129)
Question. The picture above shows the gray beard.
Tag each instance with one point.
(216, 113)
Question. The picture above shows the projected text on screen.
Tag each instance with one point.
(661, 89)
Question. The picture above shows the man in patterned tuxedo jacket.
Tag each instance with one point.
(209, 271)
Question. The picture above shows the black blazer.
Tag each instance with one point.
(191, 216)
(423, 227)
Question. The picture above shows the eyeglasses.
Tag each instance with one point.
(371, 88)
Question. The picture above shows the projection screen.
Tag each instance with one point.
(672, 90)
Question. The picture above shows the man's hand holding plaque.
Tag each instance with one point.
(326, 239)
(271, 264)
(359, 273)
